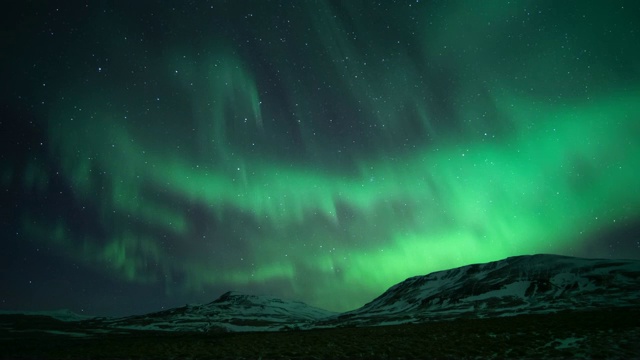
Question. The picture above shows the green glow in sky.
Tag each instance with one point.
(349, 153)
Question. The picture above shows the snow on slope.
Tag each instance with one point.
(516, 285)
(233, 311)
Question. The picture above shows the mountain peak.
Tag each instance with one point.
(232, 311)
(228, 295)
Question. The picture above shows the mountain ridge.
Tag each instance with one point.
(232, 311)
(525, 284)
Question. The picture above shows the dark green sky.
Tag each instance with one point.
(157, 154)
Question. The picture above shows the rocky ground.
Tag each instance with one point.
(601, 333)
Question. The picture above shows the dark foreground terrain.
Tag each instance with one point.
(602, 333)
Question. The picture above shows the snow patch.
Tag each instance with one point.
(515, 289)
(568, 343)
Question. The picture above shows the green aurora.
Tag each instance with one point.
(338, 149)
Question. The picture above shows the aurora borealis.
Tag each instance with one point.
(158, 154)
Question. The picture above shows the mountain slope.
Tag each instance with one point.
(516, 285)
(62, 314)
(537, 284)
(232, 311)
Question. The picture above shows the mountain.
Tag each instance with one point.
(232, 311)
(62, 314)
(536, 284)
(542, 288)
(532, 284)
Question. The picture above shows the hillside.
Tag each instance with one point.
(535, 284)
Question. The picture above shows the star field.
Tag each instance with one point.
(156, 154)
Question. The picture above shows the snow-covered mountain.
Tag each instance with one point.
(516, 285)
(232, 311)
(535, 284)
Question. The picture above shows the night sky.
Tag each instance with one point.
(157, 153)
